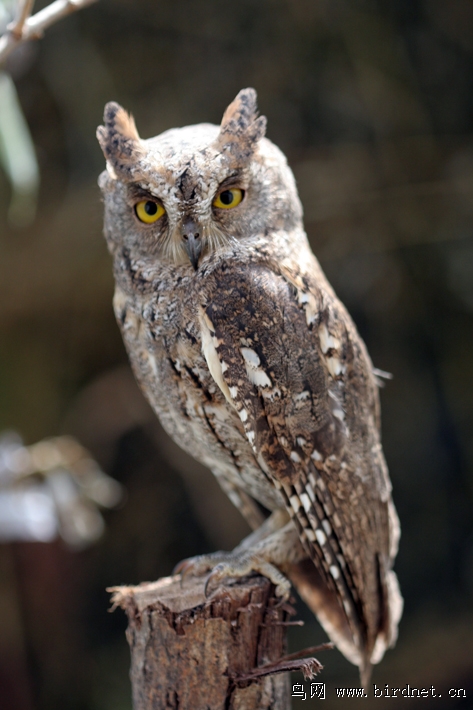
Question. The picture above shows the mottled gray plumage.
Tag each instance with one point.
(253, 365)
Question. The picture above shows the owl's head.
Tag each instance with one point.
(191, 191)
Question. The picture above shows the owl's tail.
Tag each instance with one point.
(326, 606)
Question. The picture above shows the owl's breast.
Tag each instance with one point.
(162, 337)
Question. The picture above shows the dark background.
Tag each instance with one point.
(372, 103)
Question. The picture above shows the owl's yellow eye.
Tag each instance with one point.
(227, 199)
(149, 211)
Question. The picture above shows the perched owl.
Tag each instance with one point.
(253, 365)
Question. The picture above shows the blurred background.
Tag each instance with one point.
(373, 104)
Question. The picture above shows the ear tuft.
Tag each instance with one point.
(119, 140)
(241, 128)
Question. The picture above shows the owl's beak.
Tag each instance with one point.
(192, 241)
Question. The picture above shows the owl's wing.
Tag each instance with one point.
(294, 368)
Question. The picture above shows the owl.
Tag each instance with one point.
(253, 365)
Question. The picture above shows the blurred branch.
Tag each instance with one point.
(23, 12)
(51, 488)
(26, 27)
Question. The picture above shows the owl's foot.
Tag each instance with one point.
(244, 564)
(265, 551)
(233, 564)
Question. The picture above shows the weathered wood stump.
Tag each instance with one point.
(191, 652)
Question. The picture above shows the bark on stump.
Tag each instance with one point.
(189, 652)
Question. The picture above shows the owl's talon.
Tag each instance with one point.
(199, 565)
(283, 591)
(185, 569)
(209, 582)
(180, 567)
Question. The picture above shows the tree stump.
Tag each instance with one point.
(191, 652)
